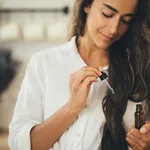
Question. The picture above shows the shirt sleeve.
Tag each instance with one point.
(28, 109)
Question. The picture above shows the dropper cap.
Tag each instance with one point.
(139, 107)
(103, 76)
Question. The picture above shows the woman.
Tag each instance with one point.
(64, 105)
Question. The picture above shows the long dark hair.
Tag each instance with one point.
(129, 71)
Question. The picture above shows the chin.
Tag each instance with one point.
(102, 45)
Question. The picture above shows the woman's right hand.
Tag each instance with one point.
(80, 83)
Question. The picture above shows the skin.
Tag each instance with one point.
(101, 31)
(93, 49)
(103, 27)
(139, 139)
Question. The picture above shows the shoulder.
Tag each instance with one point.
(52, 53)
(54, 57)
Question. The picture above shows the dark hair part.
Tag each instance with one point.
(129, 71)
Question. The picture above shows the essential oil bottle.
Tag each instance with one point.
(139, 116)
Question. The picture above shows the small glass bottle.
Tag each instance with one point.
(139, 116)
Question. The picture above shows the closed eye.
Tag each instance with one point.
(128, 21)
(108, 16)
(123, 21)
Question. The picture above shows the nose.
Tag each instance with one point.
(113, 27)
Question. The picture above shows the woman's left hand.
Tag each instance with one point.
(139, 139)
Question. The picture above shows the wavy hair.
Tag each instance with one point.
(129, 71)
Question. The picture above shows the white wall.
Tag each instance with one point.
(35, 3)
(46, 19)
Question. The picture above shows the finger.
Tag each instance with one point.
(88, 81)
(133, 148)
(136, 133)
(93, 69)
(133, 144)
(85, 68)
(83, 74)
(145, 128)
(100, 68)
(140, 138)
(134, 138)
(131, 128)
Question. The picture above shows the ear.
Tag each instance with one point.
(86, 9)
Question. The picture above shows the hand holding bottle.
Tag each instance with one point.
(138, 137)
(80, 83)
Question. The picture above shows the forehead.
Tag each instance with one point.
(123, 6)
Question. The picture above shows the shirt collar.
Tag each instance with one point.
(77, 59)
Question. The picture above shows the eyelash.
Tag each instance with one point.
(109, 16)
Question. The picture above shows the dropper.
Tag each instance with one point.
(104, 77)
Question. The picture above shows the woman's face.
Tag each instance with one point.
(108, 20)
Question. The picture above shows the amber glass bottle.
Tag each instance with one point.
(139, 116)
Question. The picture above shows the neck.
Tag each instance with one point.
(91, 54)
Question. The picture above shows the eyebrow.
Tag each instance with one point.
(115, 10)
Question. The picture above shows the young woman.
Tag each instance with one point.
(63, 104)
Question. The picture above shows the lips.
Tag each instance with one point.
(110, 38)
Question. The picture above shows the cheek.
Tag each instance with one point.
(95, 21)
(122, 29)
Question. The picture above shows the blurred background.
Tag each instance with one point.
(26, 27)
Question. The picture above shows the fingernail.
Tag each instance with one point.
(100, 73)
(132, 130)
(100, 68)
(143, 130)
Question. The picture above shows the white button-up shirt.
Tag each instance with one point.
(45, 89)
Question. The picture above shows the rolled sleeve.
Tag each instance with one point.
(28, 111)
